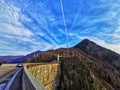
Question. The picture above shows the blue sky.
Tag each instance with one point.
(31, 25)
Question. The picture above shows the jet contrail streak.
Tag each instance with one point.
(63, 15)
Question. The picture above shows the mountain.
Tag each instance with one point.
(99, 52)
(29, 56)
(51, 55)
(86, 66)
(8, 59)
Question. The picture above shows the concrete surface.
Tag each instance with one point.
(47, 74)
(30, 82)
(15, 82)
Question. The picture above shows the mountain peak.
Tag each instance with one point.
(99, 52)
(86, 43)
(85, 40)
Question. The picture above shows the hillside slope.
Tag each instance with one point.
(76, 76)
(99, 52)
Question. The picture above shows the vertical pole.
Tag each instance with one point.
(58, 58)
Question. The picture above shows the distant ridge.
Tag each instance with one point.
(9, 58)
(31, 55)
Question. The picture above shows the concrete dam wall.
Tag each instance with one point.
(48, 74)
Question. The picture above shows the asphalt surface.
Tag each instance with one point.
(17, 83)
(6, 77)
(17, 79)
(6, 69)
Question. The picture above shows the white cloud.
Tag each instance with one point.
(117, 30)
(40, 33)
(9, 13)
(62, 31)
(13, 30)
(10, 25)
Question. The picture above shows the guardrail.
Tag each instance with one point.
(24, 80)
(29, 82)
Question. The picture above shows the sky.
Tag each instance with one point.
(30, 25)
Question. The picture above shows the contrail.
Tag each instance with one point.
(63, 15)
(76, 17)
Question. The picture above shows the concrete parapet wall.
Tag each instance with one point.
(47, 74)
(29, 82)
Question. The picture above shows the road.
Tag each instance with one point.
(6, 73)
(16, 82)
(16, 78)
(6, 69)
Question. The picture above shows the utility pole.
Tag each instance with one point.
(58, 57)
